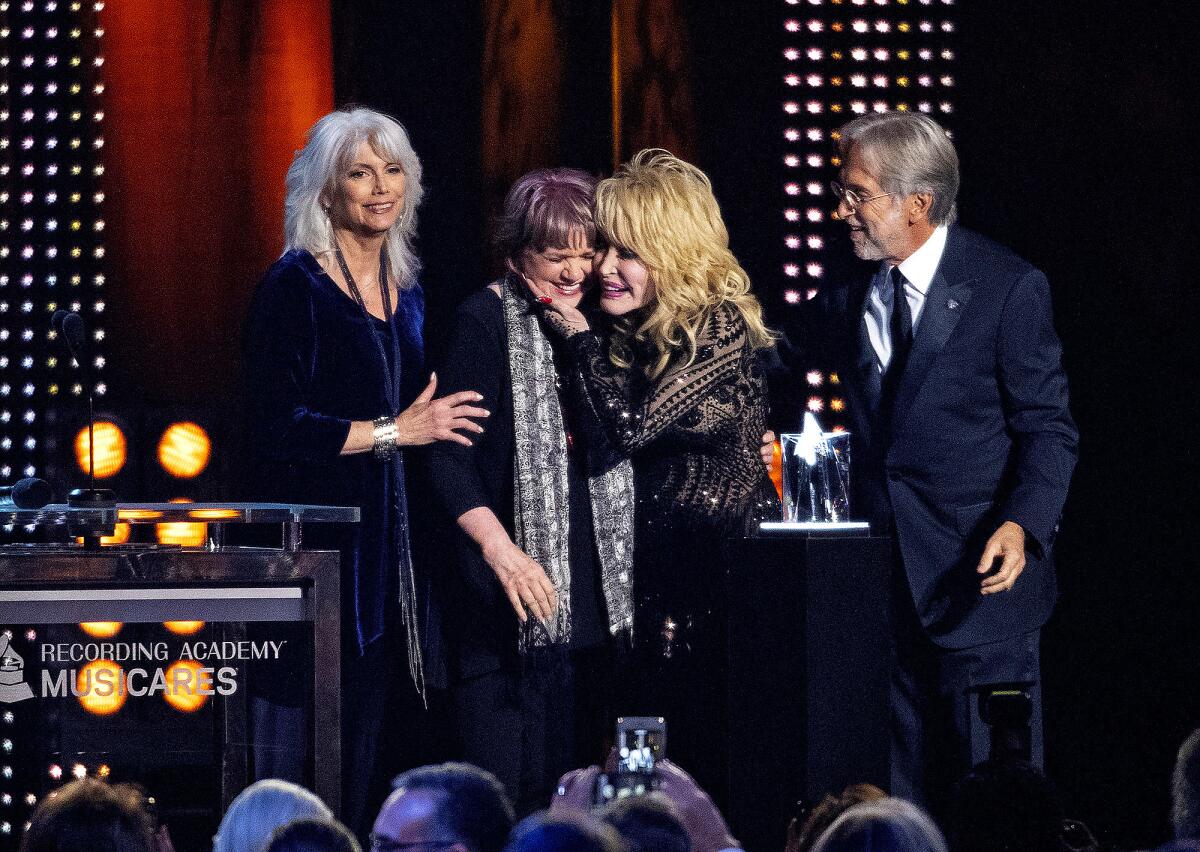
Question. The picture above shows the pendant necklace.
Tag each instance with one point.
(391, 367)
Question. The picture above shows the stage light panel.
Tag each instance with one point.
(868, 56)
(58, 111)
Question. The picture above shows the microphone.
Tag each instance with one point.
(70, 325)
(31, 493)
(74, 332)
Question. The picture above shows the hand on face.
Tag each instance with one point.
(371, 194)
(558, 273)
(562, 314)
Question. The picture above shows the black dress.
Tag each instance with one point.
(311, 367)
(693, 436)
(526, 720)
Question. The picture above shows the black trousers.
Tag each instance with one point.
(937, 731)
(530, 725)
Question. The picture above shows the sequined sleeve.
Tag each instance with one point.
(631, 419)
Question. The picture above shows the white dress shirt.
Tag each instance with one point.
(918, 271)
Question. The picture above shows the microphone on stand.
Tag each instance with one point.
(31, 493)
(70, 325)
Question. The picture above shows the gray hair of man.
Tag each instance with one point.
(882, 826)
(313, 180)
(908, 153)
(1185, 789)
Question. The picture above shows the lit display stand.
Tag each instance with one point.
(810, 653)
(190, 671)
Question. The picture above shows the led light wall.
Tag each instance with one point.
(51, 216)
(844, 58)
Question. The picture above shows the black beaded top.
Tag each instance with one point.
(694, 433)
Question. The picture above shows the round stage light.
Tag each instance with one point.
(110, 449)
(101, 629)
(181, 533)
(100, 687)
(184, 686)
(184, 628)
(184, 450)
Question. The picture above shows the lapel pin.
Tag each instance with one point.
(952, 305)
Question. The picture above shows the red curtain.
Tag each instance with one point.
(206, 101)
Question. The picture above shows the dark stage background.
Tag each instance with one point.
(1073, 122)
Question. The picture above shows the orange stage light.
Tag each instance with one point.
(110, 449)
(101, 629)
(776, 470)
(180, 532)
(184, 450)
(184, 628)
(186, 686)
(100, 685)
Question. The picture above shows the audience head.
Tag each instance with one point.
(547, 232)
(647, 824)
(1006, 805)
(453, 804)
(801, 837)
(666, 261)
(313, 835)
(564, 832)
(91, 816)
(884, 825)
(1185, 789)
(260, 809)
(315, 184)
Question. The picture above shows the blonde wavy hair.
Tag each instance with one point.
(663, 210)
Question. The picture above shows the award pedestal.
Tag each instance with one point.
(809, 673)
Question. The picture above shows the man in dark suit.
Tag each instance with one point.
(963, 446)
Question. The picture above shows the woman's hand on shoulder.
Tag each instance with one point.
(443, 419)
(525, 583)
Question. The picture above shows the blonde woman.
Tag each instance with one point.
(677, 383)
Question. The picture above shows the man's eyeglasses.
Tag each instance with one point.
(852, 199)
(386, 844)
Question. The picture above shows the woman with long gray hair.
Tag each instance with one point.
(336, 388)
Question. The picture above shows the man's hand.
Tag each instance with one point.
(1007, 544)
(767, 450)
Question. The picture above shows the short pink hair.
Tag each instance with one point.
(542, 209)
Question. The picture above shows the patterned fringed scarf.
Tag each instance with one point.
(540, 483)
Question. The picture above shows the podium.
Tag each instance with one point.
(809, 672)
(192, 671)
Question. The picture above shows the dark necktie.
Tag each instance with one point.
(901, 334)
(900, 326)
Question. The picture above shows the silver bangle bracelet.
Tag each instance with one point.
(383, 436)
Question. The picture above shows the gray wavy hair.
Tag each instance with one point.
(313, 178)
(908, 153)
(1185, 789)
(260, 809)
(888, 823)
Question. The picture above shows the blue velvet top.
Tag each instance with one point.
(312, 367)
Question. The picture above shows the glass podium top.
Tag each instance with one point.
(56, 514)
